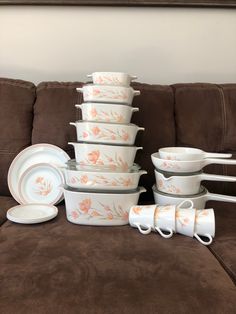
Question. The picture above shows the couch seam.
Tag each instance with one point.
(221, 262)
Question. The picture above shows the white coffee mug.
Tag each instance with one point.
(205, 225)
(185, 221)
(142, 217)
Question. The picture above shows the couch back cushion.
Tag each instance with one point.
(16, 103)
(205, 118)
(54, 109)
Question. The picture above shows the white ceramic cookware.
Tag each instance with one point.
(188, 153)
(102, 180)
(112, 78)
(110, 94)
(107, 133)
(171, 183)
(199, 200)
(101, 209)
(112, 156)
(105, 112)
(188, 165)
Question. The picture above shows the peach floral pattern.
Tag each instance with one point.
(181, 218)
(101, 115)
(169, 165)
(137, 210)
(168, 188)
(107, 80)
(160, 210)
(101, 180)
(107, 93)
(94, 158)
(200, 214)
(43, 186)
(104, 134)
(106, 212)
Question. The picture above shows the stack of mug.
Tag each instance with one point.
(102, 181)
(170, 219)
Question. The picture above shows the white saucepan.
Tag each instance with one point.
(188, 153)
(112, 156)
(110, 94)
(171, 183)
(112, 78)
(101, 209)
(105, 112)
(188, 165)
(106, 133)
(199, 200)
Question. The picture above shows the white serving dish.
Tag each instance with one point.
(188, 153)
(106, 133)
(111, 78)
(32, 213)
(199, 200)
(40, 184)
(113, 156)
(110, 94)
(32, 155)
(105, 112)
(187, 165)
(172, 183)
(102, 180)
(100, 209)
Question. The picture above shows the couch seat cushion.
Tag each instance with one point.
(58, 267)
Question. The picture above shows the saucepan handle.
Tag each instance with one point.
(217, 155)
(209, 161)
(220, 197)
(214, 177)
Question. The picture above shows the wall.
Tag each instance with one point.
(160, 45)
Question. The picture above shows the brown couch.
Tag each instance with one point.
(59, 267)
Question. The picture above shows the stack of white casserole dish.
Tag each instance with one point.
(178, 172)
(102, 181)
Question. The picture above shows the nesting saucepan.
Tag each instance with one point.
(105, 112)
(199, 200)
(106, 133)
(111, 78)
(110, 94)
(112, 156)
(94, 178)
(187, 165)
(185, 184)
(188, 153)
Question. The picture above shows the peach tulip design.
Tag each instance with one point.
(96, 130)
(94, 156)
(43, 186)
(184, 221)
(93, 112)
(85, 205)
(137, 210)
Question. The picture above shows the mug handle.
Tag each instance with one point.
(143, 231)
(186, 201)
(204, 242)
(166, 236)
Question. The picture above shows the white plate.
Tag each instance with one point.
(32, 213)
(40, 184)
(35, 154)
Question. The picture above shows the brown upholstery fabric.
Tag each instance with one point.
(224, 244)
(58, 267)
(53, 110)
(16, 105)
(5, 203)
(156, 114)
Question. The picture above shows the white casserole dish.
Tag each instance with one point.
(100, 209)
(110, 94)
(102, 180)
(106, 133)
(112, 156)
(105, 112)
(111, 78)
